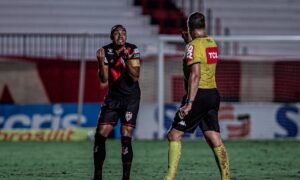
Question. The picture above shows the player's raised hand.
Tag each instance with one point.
(102, 65)
(127, 56)
(101, 57)
(186, 36)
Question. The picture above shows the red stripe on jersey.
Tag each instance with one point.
(129, 50)
(115, 74)
(119, 63)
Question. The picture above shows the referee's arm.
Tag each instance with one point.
(192, 91)
(193, 81)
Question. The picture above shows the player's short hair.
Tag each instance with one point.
(114, 28)
(196, 21)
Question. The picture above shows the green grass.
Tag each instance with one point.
(249, 160)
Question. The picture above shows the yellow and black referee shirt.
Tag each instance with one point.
(205, 52)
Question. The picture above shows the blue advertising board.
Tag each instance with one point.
(45, 116)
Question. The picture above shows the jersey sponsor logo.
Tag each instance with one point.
(128, 116)
(136, 53)
(212, 55)
(135, 56)
(136, 50)
(189, 53)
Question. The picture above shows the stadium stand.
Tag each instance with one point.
(270, 17)
(151, 17)
(76, 16)
(164, 13)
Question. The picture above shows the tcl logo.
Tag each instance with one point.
(212, 55)
(189, 53)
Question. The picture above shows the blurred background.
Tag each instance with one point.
(49, 89)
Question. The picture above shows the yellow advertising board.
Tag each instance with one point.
(78, 134)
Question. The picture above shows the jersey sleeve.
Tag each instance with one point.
(135, 59)
(193, 54)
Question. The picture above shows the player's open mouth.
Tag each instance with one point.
(120, 41)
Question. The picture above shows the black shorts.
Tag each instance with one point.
(115, 108)
(204, 113)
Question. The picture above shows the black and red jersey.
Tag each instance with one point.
(120, 83)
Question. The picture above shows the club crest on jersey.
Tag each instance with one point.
(128, 116)
(189, 53)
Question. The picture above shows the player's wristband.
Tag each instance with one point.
(188, 101)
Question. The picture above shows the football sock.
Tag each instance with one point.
(127, 156)
(222, 161)
(174, 156)
(99, 155)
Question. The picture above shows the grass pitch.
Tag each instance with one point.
(249, 160)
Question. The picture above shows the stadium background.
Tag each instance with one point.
(49, 89)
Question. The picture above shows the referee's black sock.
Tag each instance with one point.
(99, 155)
(127, 156)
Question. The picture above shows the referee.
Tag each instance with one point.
(201, 104)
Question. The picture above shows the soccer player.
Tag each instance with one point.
(119, 65)
(201, 104)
